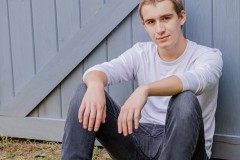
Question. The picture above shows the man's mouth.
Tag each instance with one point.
(162, 37)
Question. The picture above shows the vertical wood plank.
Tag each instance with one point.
(68, 20)
(69, 23)
(108, 1)
(118, 42)
(89, 9)
(227, 37)
(6, 79)
(21, 43)
(51, 106)
(46, 46)
(199, 21)
(45, 33)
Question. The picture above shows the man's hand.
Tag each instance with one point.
(131, 111)
(92, 110)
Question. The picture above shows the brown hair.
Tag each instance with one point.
(177, 4)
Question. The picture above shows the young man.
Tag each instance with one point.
(170, 116)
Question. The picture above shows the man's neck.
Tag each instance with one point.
(174, 52)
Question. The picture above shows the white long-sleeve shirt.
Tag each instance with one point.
(199, 68)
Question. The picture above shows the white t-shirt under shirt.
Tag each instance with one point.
(199, 69)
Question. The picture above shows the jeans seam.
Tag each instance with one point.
(112, 114)
(139, 148)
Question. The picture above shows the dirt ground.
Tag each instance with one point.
(24, 149)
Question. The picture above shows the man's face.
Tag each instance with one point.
(163, 24)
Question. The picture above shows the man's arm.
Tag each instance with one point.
(132, 107)
(166, 87)
(207, 71)
(117, 70)
(92, 110)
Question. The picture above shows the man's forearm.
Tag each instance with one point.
(92, 110)
(165, 87)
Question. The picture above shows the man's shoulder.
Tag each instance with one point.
(202, 49)
(203, 54)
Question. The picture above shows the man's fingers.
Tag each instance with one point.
(98, 118)
(136, 118)
(92, 118)
(80, 112)
(124, 123)
(86, 117)
(119, 123)
(129, 121)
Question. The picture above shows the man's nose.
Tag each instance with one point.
(159, 27)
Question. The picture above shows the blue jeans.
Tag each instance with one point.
(181, 138)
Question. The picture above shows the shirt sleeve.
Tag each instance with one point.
(119, 69)
(205, 74)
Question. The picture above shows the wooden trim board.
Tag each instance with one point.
(32, 128)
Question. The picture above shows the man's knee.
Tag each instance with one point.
(77, 98)
(185, 105)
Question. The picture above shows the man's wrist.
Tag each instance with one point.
(96, 79)
(95, 84)
(145, 89)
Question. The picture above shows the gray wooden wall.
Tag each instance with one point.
(46, 45)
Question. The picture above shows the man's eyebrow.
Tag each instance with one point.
(165, 15)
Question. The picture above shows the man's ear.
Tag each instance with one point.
(143, 24)
(183, 17)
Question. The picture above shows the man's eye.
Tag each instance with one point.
(165, 18)
(150, 22)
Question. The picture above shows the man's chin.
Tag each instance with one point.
(163, 45)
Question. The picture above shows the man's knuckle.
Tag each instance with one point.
(92, 118)
(100, 107)
(123, 120)
(98, 119)
(81, 110)
(123, 109)
(129, 119)
(136, 117)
